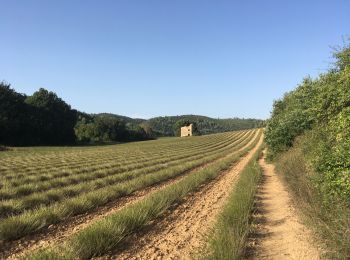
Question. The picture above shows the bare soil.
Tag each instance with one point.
(56, 234)
(181, 234)
(278, 231)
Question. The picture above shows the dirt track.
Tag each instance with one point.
(58, 233)
(279, 233)
(182, 232)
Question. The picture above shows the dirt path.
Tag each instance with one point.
(181, 233)
(58, 233)
(279, 233)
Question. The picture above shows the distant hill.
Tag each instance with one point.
(125, 119)
(164, 126)
(206, 125)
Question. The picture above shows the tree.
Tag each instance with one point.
(45, 119)
(100, 129)
(13, 116)
(53, 119)
(185, 122)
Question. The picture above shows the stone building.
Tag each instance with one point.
(187, 130)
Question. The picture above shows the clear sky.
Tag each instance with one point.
(145, 58)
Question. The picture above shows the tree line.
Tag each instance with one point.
(45, 119)
(169, 125)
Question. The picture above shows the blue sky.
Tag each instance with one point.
(145, 58)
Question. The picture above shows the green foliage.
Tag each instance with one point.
(40, 119)
(185, 122)
(330, 221)
(100, 129)
(12, 115)
(45, 119)
(291, 116)
(84, 130)
(164, 126)
(342, 55)
(148, 130)
(108, 128)
(330, 153)
(125, 119)
(53, 119)
(320, 106)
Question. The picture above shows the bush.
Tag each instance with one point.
(106, 128)
(321, 106)
(308, 135)
(329, 219)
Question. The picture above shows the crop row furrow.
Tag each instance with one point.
(19, 205)
(89, 174)
(107, 234)
(96, 161)
(34, 220)
(37, 164)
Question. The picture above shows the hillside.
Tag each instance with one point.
(164, 125)
(125, 119)
(206, 125)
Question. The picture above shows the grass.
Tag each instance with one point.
(107, 234)
(30, 214)
(330, 222)
(229, 237)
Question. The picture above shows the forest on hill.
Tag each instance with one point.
(308, 136)
(168, 125)
(45, 119)
(164, 126)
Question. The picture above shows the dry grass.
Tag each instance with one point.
(330, 222)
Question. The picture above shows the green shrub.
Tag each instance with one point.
(321, 106)
(328, 216)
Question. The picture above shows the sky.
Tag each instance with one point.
(146, 58)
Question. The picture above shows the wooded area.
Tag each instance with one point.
(45, 119)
